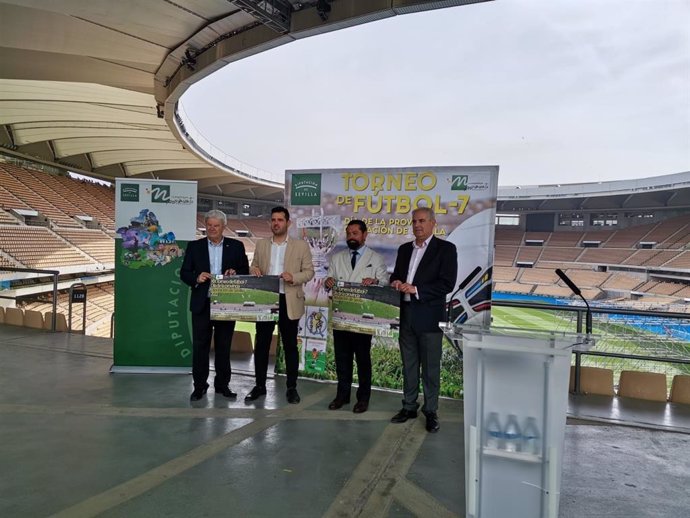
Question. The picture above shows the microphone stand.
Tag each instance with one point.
(588, 324)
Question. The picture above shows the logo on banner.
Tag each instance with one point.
(306, 189)
(129, 192)
(459, 182)
(160, 193)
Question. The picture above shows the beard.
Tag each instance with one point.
(352, 244)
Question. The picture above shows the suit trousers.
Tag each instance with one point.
(202, 330)
(419, 350)
(348, 345)
(288, 337)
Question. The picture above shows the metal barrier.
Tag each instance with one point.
(52, 273)
(580, 312)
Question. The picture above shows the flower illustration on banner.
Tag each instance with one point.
(145, 244)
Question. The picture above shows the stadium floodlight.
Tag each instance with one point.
(189, 59)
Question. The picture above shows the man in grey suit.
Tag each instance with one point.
(361, 264)
(424, 273)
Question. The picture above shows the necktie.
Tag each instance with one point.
(354, 259)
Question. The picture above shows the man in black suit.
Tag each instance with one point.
(205, 258)
(425, 272)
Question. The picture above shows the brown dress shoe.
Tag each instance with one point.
(337, 403)
(360, 407)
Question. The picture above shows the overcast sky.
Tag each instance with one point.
(551, 91)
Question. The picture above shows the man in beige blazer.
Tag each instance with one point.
(290, 259)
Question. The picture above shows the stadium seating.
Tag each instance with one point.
(593, 380)
(7, 219)
(681, 261)
(38, 247)
(505, 255)
(565, 239)
(241, 342)
(95, 243)
(670, 229)
(33, 319)
(528, 254)
(605, 255)
(505, 236)
(60, 322)
(622, 281)
(14, 316)
(627, 237)
(505, 273)
(538, 276)
(650, 386)
(680, 389)
(560, 254)
(653, 257)
(587, 279)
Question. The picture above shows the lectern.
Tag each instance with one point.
(515, 399)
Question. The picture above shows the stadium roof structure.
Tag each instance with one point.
(93, 85)
(670, 191)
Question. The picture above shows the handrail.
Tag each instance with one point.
(581, 309)
(196, 139)
(53, 273)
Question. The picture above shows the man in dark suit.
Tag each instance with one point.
(425, 272)
(205, 258)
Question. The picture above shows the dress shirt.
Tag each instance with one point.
(215, 257)
(278, 261)
(417, 254)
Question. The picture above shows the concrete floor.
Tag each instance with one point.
(78, 441)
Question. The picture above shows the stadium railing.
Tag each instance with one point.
(53, 273)
(609, 322)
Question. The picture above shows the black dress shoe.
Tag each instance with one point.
(337, 403)
(432, 425)
(226, 392)
(360, 407)
(255, 393)
(403, 416)
(292, 396)
(197, 394)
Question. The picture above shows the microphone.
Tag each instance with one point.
(461, 287)
(576, 291)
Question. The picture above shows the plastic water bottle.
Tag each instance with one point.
(531, 439)
(512, 435)
(494, 433)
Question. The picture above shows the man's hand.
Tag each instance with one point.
(287, 277)
(406, 287)
(396, 284)
(230, 271)
(254, 270)
(329, 283)
(203, 277)
(369, 281)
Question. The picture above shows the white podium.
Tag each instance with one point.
(515, 399)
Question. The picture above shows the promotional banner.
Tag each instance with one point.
(371, 310)
(245, 298)
(154, 219)
(321, 202)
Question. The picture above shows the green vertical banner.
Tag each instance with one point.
(155, 220)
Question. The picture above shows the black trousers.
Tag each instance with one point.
(348, 345)
(202, 330)
(288, 337)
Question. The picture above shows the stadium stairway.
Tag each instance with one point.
(78, 441)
